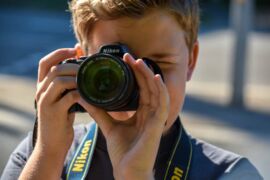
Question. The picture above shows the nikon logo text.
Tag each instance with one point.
(81, 159)
(110, 51)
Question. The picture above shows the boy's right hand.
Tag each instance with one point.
(55, 124)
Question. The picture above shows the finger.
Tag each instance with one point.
(102, 118)
(164, 105)
(68, 100)
(58, 70)
(52, 59)
(155, 126)
(149, 78)
(156, 119)
(144, 92)
(58, 87)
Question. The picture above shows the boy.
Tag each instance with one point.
(129, 145)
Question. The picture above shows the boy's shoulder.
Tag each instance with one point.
(208, 161)
(212, 162)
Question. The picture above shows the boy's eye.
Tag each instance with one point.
(164, 65)
(163, 62)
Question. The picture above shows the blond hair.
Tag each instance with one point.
(86, 12)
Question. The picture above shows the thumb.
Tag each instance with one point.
(100, 116)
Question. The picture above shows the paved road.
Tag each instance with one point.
(26, 36)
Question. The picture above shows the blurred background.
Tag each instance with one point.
(228, 99)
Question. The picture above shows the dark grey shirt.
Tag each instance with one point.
(208, 161)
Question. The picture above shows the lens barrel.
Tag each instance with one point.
(106, 81)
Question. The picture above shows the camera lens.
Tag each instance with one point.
(106, 81)
(102, 79)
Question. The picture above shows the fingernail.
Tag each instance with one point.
(129, 59)
(158, 76)
(128, 56)
(140, 61)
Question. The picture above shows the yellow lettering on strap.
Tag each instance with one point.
(82, 157)
(85, 150)
(177, 174)
(174, 177)
(81, 160)
(78, 167)
(88, 143)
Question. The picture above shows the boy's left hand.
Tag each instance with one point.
(133, 144)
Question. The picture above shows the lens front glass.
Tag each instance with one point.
(103, 79)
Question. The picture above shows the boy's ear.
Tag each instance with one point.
(79, 50)
(193, 59)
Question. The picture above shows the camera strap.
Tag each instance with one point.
(81, 161)
(181, 156)
(177, 168)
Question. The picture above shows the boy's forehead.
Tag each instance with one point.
(151, 33)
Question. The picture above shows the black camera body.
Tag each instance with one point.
(106, 81)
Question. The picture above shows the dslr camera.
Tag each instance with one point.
(106, 81)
